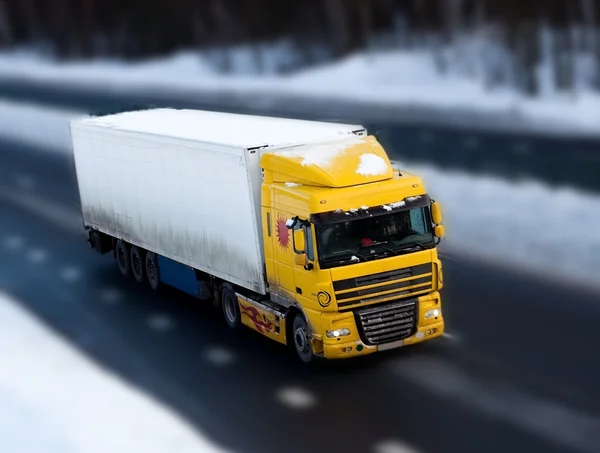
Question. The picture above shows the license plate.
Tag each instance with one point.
(393, 345)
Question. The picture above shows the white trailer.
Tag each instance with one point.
(186, 184)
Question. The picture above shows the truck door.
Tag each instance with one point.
(283, 253)
(305, 275)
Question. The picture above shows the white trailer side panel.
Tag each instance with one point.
(193, 202)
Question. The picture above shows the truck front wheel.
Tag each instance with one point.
(301, 338)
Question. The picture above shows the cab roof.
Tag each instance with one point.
(348, 161)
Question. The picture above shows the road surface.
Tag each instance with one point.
(517, 372)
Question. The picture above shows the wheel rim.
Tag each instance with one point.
(137, 264)
(152, 271)
(122, 258)
(301, 340)
(229, 309)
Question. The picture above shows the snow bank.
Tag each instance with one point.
(404, 79)
(53, 399)
(526, 224)
(38, 126)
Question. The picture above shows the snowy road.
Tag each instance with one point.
(518, 366)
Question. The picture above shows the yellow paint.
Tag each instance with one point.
(259, 319)
(327, 186)
(290, 164)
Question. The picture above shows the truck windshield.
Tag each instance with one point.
(371, 238)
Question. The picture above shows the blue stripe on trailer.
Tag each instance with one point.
(178, 276)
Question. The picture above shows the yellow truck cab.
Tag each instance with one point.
(302, 231)
(351, 241)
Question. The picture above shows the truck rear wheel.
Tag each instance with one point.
(137, 264)
(152, 271)
(301, 337)
(122, 256)
(231, 308)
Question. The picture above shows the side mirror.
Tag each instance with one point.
(436, 213)
(439, 231)
(299, 239)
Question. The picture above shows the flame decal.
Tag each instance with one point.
(261, 322)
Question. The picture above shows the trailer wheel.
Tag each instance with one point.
(152, 271)
(231, 308)
(137, 264)
(122, 255)
(301, 336)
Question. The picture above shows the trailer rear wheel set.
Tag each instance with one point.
(142, 265)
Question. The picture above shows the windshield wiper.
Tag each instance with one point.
(417, 243)
(387, 249)
(344, 256)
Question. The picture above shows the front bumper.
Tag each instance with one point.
(358, 348)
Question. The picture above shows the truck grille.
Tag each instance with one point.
(391, 285)
(387, 323)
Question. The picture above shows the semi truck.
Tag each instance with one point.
(303, 231)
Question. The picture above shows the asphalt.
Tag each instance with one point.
(518, 371)
(470, 142)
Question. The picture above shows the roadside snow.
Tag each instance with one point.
(526, 225)
(42, 127)
(53, 399)
(405, 79)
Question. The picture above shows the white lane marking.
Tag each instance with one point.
(71, 274)
(393, 446)
(13, 243)
(160, 322)
(54, 398)
(296, 398)
(26, 182)
(37, 256)
(111, 296)
(58, 215)
(451, 337)
(219, 356)
(499, 400)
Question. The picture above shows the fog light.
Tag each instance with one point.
(337, 333)
(433, 313)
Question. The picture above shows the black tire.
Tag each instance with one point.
(122, 256)
(231, 308)
(301, 339)
(152, 271)
(138, 264)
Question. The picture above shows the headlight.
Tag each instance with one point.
(433, 313)
(338, 333)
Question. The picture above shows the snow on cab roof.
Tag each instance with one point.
(242, 131)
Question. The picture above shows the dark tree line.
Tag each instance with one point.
(141, 28)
